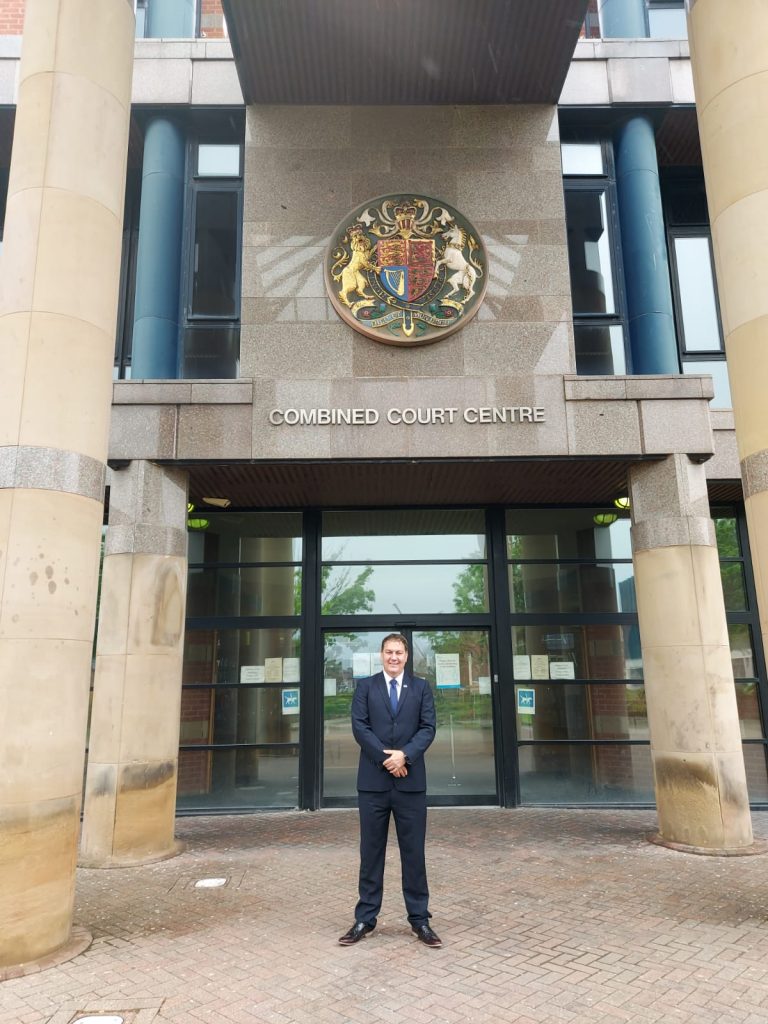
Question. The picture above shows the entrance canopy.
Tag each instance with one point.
(403, 51)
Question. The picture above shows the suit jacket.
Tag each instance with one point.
(376, 729)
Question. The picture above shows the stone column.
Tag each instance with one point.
(730, 70)
(701, 789)
(58, 308)
(130, 792)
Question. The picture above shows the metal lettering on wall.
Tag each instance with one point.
(408, 416)
(406, 270)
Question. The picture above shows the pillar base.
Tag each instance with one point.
(79, 940)
(132, 862)
(759, 846)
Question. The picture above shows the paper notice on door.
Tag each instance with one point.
(447, 671)
(291, 672)
(361, 665)
(273, 670)
(562, 670)
(251, 673)
(539, 666)
(484, 684)
(521, 666)
(329, 687)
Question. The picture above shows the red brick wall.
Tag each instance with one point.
(11, 17)
(211, 19)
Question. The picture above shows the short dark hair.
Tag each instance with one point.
(396, 636)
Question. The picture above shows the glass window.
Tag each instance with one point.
(604, 711)
(403, 535)
(742, 651)
(404, 589)
(218, 160)
(718, 371)
(141, 18)
(666, 20)
(211, 353)
(582, 651)
(249, 778)
(586, 773)
(592, 588)
(248, 537)
(214, 275)
(696, 286)
(600, 349)
(244, 591)
(462, 755)
(757, 776)
(582, 158)
(589, 252)
(566, 533)
(241, 656)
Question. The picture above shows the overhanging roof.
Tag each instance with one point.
(403, 51)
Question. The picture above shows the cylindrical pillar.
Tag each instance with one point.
(130, 792)
(58, 308)
(646, 267)
(171, 19)
(698, 764)
(730, 70)
(158, 261)
(622, 19)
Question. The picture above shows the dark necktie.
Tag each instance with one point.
(393, 695)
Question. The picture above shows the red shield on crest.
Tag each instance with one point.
(406, 266)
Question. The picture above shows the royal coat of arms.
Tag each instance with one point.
(406, 270)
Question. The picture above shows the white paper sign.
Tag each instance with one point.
(273, 670)
(521, 666)
(484, 684)
(291, 673)
(562, 670)
(539, 666)
(329, 686)
(447, 671)
(251, 673)
(361, 665)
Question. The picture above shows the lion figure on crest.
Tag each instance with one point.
(453, 259)
(352, 276)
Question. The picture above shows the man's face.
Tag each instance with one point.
(394, 657)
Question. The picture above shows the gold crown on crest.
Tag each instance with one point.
(405, 215)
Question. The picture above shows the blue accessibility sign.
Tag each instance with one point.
(290, 702)
(526, 700)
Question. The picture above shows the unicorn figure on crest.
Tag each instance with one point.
(453, 259)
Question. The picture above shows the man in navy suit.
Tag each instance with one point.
(393, 721)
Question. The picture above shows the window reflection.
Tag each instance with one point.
(600, 712)
(718, 370)
(600, 349)
(566, 533)
(589, 252)
(696, 284)
(594, 651)
(586, 773)
(405, 589)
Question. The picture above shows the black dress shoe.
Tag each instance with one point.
(358, 931)
(425, 934)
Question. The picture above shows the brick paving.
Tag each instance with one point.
(547, 917)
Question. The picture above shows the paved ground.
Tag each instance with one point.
(546, 917)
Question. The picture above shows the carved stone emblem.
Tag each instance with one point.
(406, 270)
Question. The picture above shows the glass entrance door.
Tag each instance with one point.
(456, 664)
